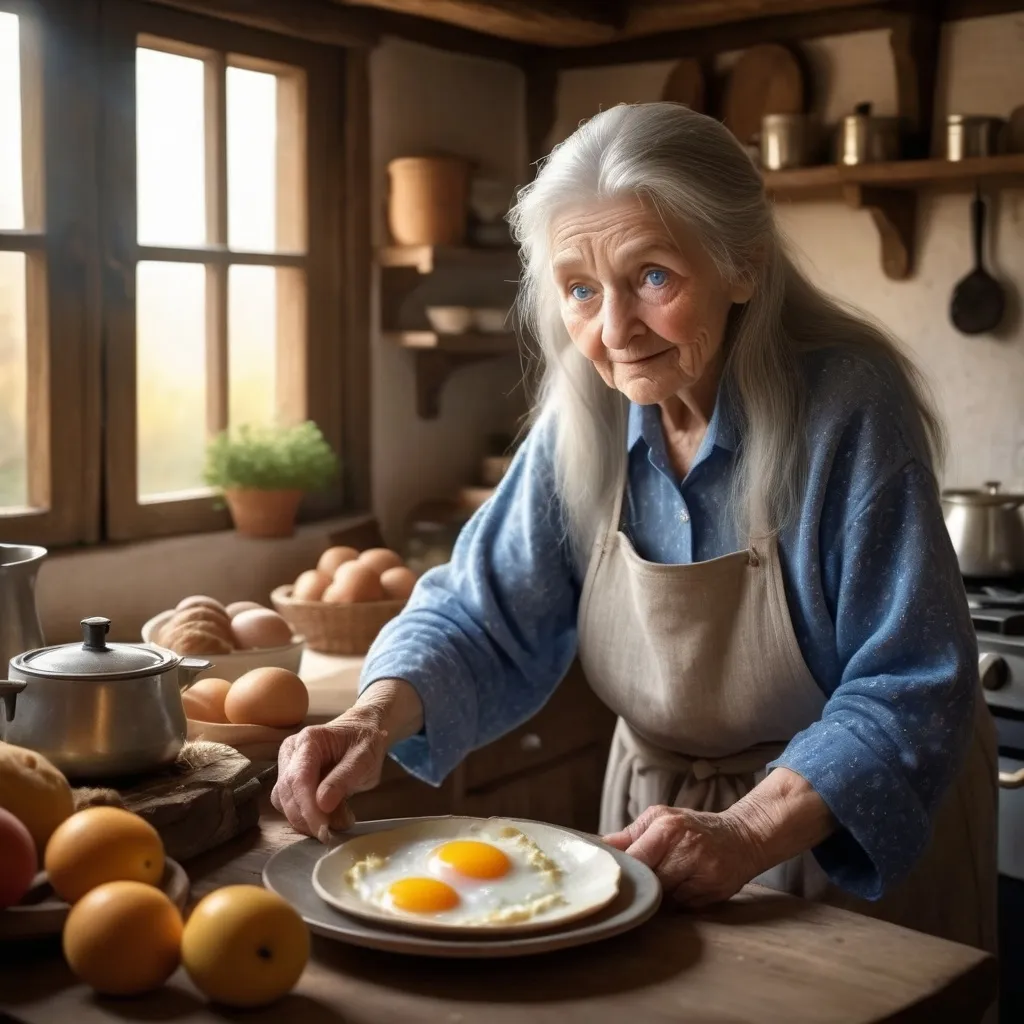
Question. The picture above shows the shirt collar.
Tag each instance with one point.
(644, 424)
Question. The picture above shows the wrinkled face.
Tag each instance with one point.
(647, 307)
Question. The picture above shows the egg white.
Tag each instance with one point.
(531, 887)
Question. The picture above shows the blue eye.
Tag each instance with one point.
(580, 292)
(656, 278)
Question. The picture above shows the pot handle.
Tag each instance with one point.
(188, 669)
(9, 690)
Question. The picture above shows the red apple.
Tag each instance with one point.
(18, 863)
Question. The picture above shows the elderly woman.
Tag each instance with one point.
(727, 508)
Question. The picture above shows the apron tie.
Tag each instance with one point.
(646, 775)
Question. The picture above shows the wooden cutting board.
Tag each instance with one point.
(686, 84)
(210, 795)
(765, 80)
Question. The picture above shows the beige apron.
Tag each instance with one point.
(702, 666)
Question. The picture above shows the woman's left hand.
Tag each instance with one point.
(699, 856)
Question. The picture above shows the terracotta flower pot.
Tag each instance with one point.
(263, 513)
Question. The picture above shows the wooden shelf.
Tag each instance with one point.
(813, 182)
(470, 343)
(426, 259)
(888, 192)
(438, 356)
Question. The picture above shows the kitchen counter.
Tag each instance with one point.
(332, 682)
(763, 957)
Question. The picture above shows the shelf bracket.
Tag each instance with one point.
(894, 212)
(433, 368)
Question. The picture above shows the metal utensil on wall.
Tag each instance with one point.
(978, 300)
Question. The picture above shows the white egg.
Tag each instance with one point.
(486, 876)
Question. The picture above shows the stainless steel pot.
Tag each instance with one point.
(98, 710)
(987, 530)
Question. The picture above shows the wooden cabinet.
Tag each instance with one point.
(551, 769)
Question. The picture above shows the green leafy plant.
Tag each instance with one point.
(271, 459)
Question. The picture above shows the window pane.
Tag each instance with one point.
(13, 385)
(171, 377)
(252, 157)
(252, 344)
(171, 149)
(12, 215)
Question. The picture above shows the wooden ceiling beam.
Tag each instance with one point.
(318, 21)
(533, 22)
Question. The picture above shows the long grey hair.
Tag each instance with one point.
(692, 171)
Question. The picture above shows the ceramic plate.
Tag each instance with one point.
(289, 874)
(589, 874)
(43, 913)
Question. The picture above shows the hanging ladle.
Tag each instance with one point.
(978, 300)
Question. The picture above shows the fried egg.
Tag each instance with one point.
(486, 876)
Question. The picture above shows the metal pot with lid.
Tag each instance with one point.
(987, 530)
(95, 709)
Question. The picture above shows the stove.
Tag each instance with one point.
(997, 611)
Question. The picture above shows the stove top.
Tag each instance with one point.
(997, 607)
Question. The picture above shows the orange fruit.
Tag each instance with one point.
(123, 938)
(244, 946)
(103, 844)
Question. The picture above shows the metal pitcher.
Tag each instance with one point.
(20, 629)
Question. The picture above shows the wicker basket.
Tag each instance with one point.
(335, 628)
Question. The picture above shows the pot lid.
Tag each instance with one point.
(94, 657)
(990, 495)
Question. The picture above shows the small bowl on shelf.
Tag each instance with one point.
(450, 319)
(238, 662)
(491, 321)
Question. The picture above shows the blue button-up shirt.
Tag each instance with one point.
(872, 582)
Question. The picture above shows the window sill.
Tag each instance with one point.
(129, 583)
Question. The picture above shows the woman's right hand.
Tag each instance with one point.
(320, 767)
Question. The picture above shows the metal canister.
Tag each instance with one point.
(787, 140)
(970, 136)
(864, 138)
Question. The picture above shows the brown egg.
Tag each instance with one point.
(380, 559)
(267, 696)
(259, 628)
(398, 582)
(310, 585)
(237, 607)
(333, 557)
(353, 584)
(199, 601)
(204, 701)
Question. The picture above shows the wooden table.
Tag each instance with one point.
(763, 957)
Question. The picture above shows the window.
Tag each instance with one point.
(155, 175)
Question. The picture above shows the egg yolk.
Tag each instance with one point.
(422, 895)
(474, 859)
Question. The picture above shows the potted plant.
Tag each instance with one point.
(263, 472)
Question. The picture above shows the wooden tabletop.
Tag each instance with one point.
(763, 957)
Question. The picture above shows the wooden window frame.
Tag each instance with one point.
(313, 382)
(58, 146)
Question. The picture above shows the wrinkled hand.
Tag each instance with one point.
(320, 767)
(699, 857)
